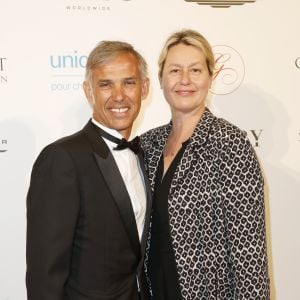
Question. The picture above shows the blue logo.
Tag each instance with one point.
(68, 61)
(67, 71)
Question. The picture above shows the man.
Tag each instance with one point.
(88, 205)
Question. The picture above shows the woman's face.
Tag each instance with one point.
(185, 79)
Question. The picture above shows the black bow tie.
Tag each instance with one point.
(133, 145)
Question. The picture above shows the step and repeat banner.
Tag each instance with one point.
(43, 51)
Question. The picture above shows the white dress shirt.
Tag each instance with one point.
(132, 175)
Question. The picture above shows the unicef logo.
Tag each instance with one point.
(230, 70)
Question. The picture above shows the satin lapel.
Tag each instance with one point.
(115, 183)
(118, 189)
(148, 207)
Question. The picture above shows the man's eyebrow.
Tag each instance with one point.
(104, 80)
(110, 81)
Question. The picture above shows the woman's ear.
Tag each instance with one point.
(160, 79)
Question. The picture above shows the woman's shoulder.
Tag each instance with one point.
(226, 130)
(153, 134)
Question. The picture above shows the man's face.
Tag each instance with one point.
(115, 91)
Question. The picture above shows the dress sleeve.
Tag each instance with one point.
(242, 193)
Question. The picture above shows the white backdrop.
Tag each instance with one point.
(43, 48)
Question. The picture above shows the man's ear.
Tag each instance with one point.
(88, 92)
(145, 88)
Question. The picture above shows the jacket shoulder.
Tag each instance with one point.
(152, 135)
(63, 146)
(226, 131)
(73, 141)
(228, 141)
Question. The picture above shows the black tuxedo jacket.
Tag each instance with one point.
(82, 238)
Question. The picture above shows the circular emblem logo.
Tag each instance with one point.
(297, 62)
(230, 70)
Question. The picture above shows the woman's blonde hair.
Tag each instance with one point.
(191, 38)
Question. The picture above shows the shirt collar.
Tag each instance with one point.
(111, 131)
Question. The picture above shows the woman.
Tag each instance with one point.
(208, 228)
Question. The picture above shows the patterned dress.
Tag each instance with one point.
(216, 212)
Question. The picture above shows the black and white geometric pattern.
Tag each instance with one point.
(216, 211)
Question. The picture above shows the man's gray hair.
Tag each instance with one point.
(107, 50)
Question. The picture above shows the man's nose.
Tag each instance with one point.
(118, 93)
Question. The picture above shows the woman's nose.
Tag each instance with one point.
(185, 77)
